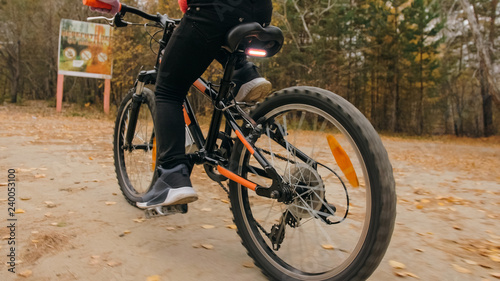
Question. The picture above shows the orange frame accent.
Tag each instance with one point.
(199, 86)
(186, 117)
(234, 177)
(245, 142)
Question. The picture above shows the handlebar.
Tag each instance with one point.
(124, 9)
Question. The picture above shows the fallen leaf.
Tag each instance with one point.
(495, 258)
(54, 223)
(208, 226)
(207, 246)
(457, 227)
(470, 262)
(170, 228)
(231, 226)
(425, 201)
(397, 265)
(4, 183)
(461, 269)
(20, 211)
(34, 241)
(420, 250)
(110, 203)
(127, 232)
(25, 198)
(328, 247)
(139, 220)
(495, 274)
(248, 264)
(26, 273)
(405, 274)
(90, 158)
(114, 263)
(420, 206)
(153, 278)
(50, 204)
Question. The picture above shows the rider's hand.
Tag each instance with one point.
(115, 7)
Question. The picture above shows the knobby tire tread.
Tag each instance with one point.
(383, 210)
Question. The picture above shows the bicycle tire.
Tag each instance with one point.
(135, 168)
(249, 210)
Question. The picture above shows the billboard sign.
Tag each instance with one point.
(85, 49)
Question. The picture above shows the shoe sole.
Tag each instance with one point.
(259, 88)
(177, 196)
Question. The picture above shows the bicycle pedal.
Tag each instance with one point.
(165, 211)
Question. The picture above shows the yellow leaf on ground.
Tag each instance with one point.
(461, 269)
(328, 247)
(231, 226)
(208, 226)
(207, 246)
(20, 211)
(153, 278)
(26, 273)
(397, 265)
(110, 203)
(114, 263)
(495, 274)
(248, 264)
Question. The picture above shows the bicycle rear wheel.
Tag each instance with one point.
(135, 164)
(339, 223)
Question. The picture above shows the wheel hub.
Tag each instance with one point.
(309, 190)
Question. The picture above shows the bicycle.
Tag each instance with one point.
(311, 187)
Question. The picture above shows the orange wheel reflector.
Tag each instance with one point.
(343, 160)
(153, 163)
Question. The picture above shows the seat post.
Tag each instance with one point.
(225, 85)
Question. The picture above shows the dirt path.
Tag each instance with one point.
(75, 219)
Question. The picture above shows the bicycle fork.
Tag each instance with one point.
(145, 77)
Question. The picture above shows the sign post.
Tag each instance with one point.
(84, 51)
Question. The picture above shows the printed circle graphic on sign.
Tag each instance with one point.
(69, 53)
(102, 57)
(86, 55)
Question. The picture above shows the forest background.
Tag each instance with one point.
(417, 67)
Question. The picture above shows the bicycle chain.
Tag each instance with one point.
(257, 223)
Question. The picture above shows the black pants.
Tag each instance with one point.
(193, 46)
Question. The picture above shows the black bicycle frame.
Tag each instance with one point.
(223, 107)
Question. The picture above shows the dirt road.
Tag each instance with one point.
(75, 224)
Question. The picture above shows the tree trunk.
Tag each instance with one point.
(15, 72)
(483, 52)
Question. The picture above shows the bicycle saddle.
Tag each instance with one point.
(252, 36)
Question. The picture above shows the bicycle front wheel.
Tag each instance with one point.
(339, 220)
(135, 162)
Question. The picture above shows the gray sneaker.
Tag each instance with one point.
(250, 86)
(173, 187)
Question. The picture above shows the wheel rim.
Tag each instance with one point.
(136, 165)
(306, 250)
